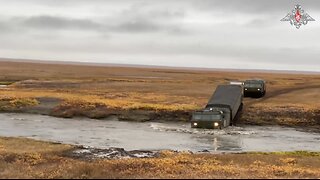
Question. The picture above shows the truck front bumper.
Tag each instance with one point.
(252, 92)
(207, 124)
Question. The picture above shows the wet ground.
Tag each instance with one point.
(152, 136)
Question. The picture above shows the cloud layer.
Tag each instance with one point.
(193, 33)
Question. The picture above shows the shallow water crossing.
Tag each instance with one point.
(155, 135)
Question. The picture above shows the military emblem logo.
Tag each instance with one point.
(297, 17)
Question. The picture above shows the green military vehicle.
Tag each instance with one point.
(221, 109)
(254, 88)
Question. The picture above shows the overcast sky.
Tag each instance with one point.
(193, 33)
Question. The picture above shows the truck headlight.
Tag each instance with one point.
(195, 124)
(216, 124)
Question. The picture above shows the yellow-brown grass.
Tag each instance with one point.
(156, 89)
(290, 99)
(25, 158)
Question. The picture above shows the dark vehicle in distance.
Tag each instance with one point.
(254, 88)
(221, 109)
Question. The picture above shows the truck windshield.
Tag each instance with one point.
(253, 85)
(206, 117)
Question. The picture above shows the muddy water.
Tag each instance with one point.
(155, 136)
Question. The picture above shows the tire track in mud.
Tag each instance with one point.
(279, 92)
(267, 118)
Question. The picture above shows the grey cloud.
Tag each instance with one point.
(4, 27)
(140, 16)
(262, 23)
(59, 3)
(239, 5)
(147, 18)
(254, 6)
(143, 26)
(146, 10)
(9, 27)
(137, 26)
(238, 32)
(50, 22)
(129, 26)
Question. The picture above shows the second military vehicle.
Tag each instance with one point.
(221, 109)
(254, 88)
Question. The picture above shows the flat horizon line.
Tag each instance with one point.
(101, 64)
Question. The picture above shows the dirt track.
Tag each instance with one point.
(274, 109)
(275, 93)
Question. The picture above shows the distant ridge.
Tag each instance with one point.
(155, 66)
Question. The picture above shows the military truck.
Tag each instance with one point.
(254, 88)
(221, 110)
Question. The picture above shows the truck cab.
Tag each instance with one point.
(254, 88)
(209, 119)
(221, 109)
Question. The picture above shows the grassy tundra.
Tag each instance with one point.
(142, 94)
(25, 158)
